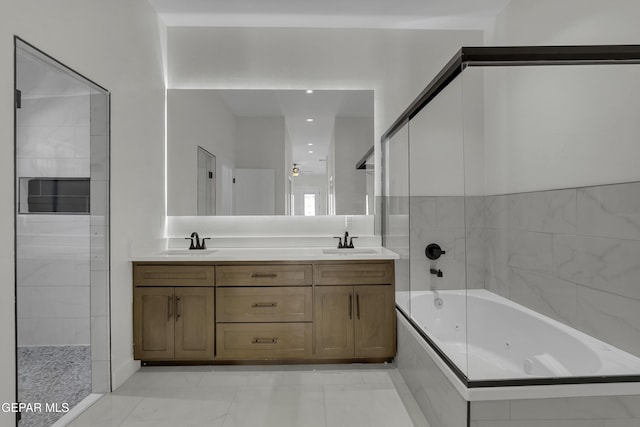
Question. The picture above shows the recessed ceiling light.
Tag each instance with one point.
(310, 151)
(309, 120)
(309, 91)
(309, 144)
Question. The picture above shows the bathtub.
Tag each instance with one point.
(490, 338)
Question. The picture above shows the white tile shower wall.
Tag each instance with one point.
(54, 272)
(53, 280)
(99, 242)
(53, 137)
(571, 254)
(618, 411)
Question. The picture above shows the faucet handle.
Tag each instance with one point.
(203, 245)
(340, 246)
(351, 242)
(191, 246)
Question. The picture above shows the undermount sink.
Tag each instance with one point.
(188, 252)
(350, 251)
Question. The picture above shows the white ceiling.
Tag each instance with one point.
(294, 105)
(399, 14)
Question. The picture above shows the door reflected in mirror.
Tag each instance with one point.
(270, 152)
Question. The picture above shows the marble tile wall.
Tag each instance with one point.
(617, 411)
(571, 254)
(442, 220)
(396, 239)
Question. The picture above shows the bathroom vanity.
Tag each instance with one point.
(218, 308)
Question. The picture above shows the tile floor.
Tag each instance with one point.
(259, 396)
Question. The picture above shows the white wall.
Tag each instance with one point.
(116, 44)
(260, 144)
(436, 146)
(197, 118)
(353, 138)
(396, 64)
(550, 22)
(562, 127)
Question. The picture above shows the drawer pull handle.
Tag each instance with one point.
(264, 341)
(264, 275)
(264, 304)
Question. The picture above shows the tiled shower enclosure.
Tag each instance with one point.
(62, 228)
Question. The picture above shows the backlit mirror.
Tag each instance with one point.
(269, 152)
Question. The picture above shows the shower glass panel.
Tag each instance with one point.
(62, 234)
(552, 152)
(396, 210)
(511, 192)
(436, 218)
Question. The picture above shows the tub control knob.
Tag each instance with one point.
(433, 251)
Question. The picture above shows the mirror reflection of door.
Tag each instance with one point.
(308, 201)
(206, 182)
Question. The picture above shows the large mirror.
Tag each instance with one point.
(270, 152)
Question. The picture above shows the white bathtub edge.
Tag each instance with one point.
(521, 392)
(553, 391)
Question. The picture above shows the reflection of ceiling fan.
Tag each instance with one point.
(297, 171)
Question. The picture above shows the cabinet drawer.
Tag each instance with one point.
(173, 275)
(353, 274)
(264, 340)
(264, 275)
(262, 304)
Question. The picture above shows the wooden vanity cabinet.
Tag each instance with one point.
(173, 323)
(237, 312)
(264, 311)
(354, 320)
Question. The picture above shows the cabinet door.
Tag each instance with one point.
(374, 321)
(333, 314)
(153, 311)
(195, 323)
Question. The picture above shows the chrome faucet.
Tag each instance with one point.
(346, 243)
(199, 244)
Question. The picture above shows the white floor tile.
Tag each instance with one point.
(251, 396)
(370, 405)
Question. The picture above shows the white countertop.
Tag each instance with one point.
(265, 254)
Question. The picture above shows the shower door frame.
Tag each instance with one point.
(496, 56)
(105, 340)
